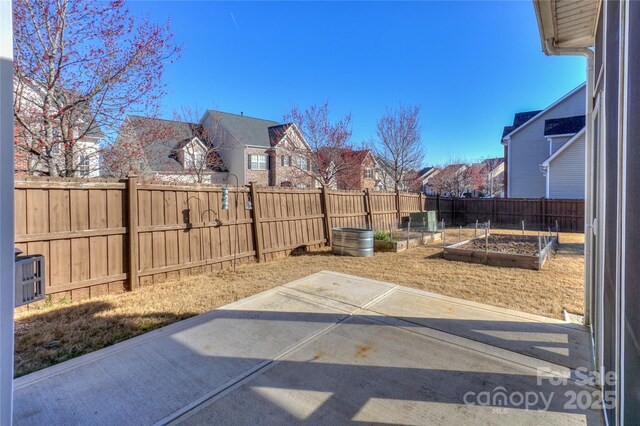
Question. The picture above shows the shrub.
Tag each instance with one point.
(382, 236)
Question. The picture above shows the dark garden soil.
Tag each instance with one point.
(513, 244)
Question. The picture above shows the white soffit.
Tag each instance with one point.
(567, 23)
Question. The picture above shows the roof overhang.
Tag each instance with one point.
(566, 24)
(566, 145)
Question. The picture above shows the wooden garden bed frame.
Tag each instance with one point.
(457, 253)
(396, 246)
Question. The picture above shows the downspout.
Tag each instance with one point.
(588, 217)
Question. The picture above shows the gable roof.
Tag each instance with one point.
(427, 172)
(494, 162)
(324, 156)
(511, 132)
(166, 137)
(361, 154)
(276, 133)
(453, 168)
(564, 146)
(564, 126)
(424, 170)
(519, 119)
(247, 130)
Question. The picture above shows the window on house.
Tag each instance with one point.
(83, 166)
(198, 158)
(258, 162)
(302, 163)
(55, 149)
(302, 186)
(193, 158)
(286, 160)
(368, 174)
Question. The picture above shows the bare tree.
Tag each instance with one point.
(328, 141)
(79, 66)
(398, 144)
(200, 158)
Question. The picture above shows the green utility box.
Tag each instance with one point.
(429, 219)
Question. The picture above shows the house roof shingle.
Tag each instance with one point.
(493, 162)
(277, 132)
(424, 171)
(247, 130)
(518, 120)
(165, 138)
(324, 156)
(564, 126)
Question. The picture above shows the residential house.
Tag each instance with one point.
(532, 139)
(356, 169)
(423, 177)
(607, 33)
(564, 168)
(384, 177)
(491, 176)
(221, 144)
(166, 150)
(450, 181)
(79, 145)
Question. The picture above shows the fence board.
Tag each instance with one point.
(537, 213)
(83, 227)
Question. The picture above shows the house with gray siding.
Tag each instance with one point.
(534, 137)
(219, 145)
(564, 169)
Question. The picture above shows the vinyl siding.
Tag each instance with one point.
(557, 143)
(566, 172)
(529, 148)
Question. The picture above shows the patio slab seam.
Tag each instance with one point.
(193, 407)
(463, 302)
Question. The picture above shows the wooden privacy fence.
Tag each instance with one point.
(105, 236)
(537, 213)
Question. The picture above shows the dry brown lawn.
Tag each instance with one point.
(48, 334)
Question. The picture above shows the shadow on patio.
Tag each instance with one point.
(317, 352)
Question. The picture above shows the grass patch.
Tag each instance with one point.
(52, 332)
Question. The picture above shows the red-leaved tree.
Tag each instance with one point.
(328, 141)
(80, 66)
(178, 150)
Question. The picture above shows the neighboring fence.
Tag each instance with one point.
(537, 213)
(106, 236)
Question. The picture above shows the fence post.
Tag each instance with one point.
(132, 191)
(543, 209)
(257, 235)
(399, 213)
(421, 202)
(367, 198)
(327, 213)
(438, 206)
(453, 210)
(494, 214)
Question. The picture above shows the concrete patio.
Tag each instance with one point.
(327, 349)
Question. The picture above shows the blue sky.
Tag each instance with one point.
(469, 65)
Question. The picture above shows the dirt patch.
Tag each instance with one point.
(526, 245)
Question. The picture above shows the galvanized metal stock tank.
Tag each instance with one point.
(352, 242)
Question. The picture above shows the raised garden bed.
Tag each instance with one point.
(516, 251)
(415, 239)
